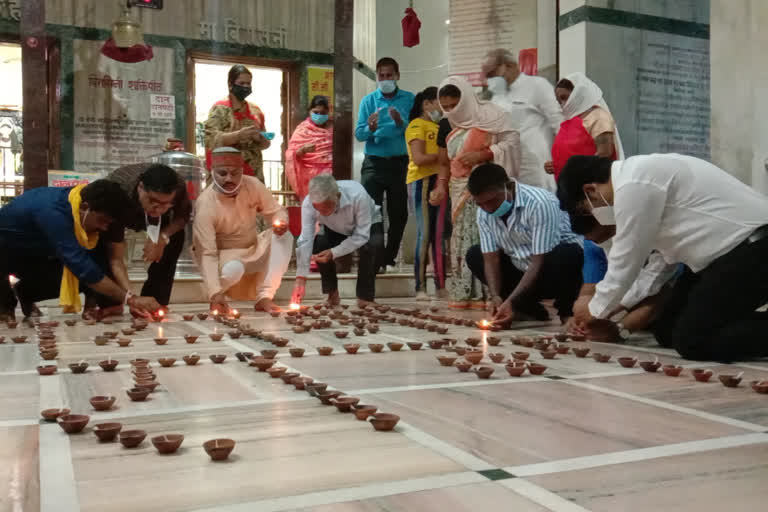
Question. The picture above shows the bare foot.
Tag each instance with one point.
(91, 314)
(366, 303)
(266, 305)
(115, 310)
(333, 299)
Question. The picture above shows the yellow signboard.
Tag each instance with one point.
(320, 81)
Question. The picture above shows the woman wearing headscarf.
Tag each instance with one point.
(310, 150)
(588, 129)
(482, 132)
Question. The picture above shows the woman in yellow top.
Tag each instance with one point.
(431, 221)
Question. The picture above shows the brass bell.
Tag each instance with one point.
(127, 32)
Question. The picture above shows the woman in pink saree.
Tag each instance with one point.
(310, 150)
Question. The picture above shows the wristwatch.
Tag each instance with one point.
(623, 331)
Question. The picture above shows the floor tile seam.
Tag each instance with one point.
(541, 496)
(636, 455)
(448, 385)
(751, 427)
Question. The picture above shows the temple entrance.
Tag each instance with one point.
(11, 143)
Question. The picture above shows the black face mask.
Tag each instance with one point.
(241, 91)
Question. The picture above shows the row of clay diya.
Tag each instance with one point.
(217, 449)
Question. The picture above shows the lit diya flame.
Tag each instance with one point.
(484, 324)
(160, 313)
(235, 312)
(215, 312)
(294, 306)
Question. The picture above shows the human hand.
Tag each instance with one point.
(373, 121)
(471, 158)
(604, 331)
(437, 196)
(494, 304)
(582, 317)
(219, 303)
(249, 133)
(143, 306)
(306, 148)
(279, 227)
(395, 115)
(324, 256)
(505, 313)
(154, 251)
(299, 289)
(549, 167)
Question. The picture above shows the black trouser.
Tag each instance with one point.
(39, 274)
(160, 274)
(711, 315)
(387, 175)
(366, 267)
(560, 278)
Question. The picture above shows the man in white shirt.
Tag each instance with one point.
(692, 212)
(351, 221)
(531, 103)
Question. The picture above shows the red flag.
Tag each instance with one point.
(411, 25)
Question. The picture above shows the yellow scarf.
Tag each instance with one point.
(69, 295)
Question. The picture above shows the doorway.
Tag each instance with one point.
(11, 141)
(272, 84)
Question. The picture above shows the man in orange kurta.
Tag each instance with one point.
(235, 259)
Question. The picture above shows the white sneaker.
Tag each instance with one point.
(422, 297)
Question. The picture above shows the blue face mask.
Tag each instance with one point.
(387, 86)
(318, 119)
(503, 208)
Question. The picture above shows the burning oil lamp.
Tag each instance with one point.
(484, 325)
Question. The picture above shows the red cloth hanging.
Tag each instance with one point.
(136, 53)
(411, 25)
(528, 59)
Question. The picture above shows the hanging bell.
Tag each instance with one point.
(127, 32)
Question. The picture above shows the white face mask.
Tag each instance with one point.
(225, 191)
(603, 214)
(153, 231)
(436, 115)
(497, 85)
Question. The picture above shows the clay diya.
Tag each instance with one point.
(521, 356)
(497, 357)
(49, 354)
(463, 366)
(432, 327)
(515, 370)
(536, 369)
(280, 342)
(108, 365)
(189, 338)
(730, 381)
(650, 366)
(269, 353)
(191, 360)
(384, 422)
(581, 351)
(107, 432)
(276, 371)
(345, 403)
(325, 351)
(436, 344)
(446, 360)
(526, 342)
(202, 316)
(327, 397)
(218, 358)
(132, 438)
(351, 348)
(274, 314)
(601, 358)
(296, 352)
(341, 334)
(262, 363)
(671, 370)
(701, 374)
(289, 376)
(128, 331)
(300, 382)
(103, 403)
(219, 449)
(161, 341)
(548, 354)
(70, 322)
(243, 356)
(19, 339)
(359, 331)
(314, 388)
(493, 341)
(124, 342)
(139, 362)
(300, 329)
(110, 334)
(48, 369)
(541, 345)
(362, 412)
(167, 443)
(73, 423)
(627, 362)
(394, 346)
(484, 372)
(563, 349)
(215, 336)
(2, 340)
(138, 394)
(760, 386)
(53, 414)
(188, 317)
(577, 337)
(473, 357)
(376, 347)
(373, 328)
(473, 342)
(414, 345)
(460, 351)
(78, 367)
(166, 362)
(442, 330)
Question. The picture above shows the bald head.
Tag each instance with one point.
(501, 62)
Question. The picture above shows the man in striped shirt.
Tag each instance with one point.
(527, 250)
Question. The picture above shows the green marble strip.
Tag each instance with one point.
(496, 474)
(629, 19)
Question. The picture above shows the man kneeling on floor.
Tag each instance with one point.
(235, 259)
(46, 235)
(351, 221)
(527, 251)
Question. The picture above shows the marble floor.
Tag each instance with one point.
(584, 436)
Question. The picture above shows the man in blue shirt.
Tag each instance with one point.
(527, 250)
(381, 123)
(37, 236)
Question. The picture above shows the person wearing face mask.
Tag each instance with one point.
(237, 260)
(431, 220)
(527, 251)
(381, 125)
(235, 122)
(533, 109)
(691, 212)
(158, 205)
(47, 235)
(310, 150)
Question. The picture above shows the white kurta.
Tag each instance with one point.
(531, 103)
